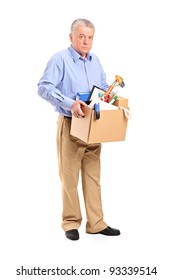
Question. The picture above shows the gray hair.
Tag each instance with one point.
(81, 22)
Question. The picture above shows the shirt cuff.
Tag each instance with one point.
(67, 103)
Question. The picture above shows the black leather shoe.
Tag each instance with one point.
(72, 234)
(109, 231)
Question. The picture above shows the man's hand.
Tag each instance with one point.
(76, 109)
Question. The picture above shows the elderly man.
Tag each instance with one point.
(68, 72)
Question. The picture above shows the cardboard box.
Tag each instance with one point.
(121, 102)
(110, 127)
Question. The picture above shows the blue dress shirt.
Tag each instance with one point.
(66, 74)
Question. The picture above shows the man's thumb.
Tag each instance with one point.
(82, 103)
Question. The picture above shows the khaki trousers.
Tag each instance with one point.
(74, 156)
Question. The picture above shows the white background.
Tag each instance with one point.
(133, 40)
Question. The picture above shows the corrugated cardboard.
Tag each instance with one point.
(121, 102)
(110, 127)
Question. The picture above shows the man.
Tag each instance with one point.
(68, 72)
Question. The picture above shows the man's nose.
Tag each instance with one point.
(86, 40)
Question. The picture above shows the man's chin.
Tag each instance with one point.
(84, 52)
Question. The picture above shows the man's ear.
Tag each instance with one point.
(70, 37)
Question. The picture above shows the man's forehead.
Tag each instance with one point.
(84, 29)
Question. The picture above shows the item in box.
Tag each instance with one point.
(96, 92)
(84, 96)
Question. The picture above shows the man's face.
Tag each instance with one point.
(82, 40)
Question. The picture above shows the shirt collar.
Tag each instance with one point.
(75, 55)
